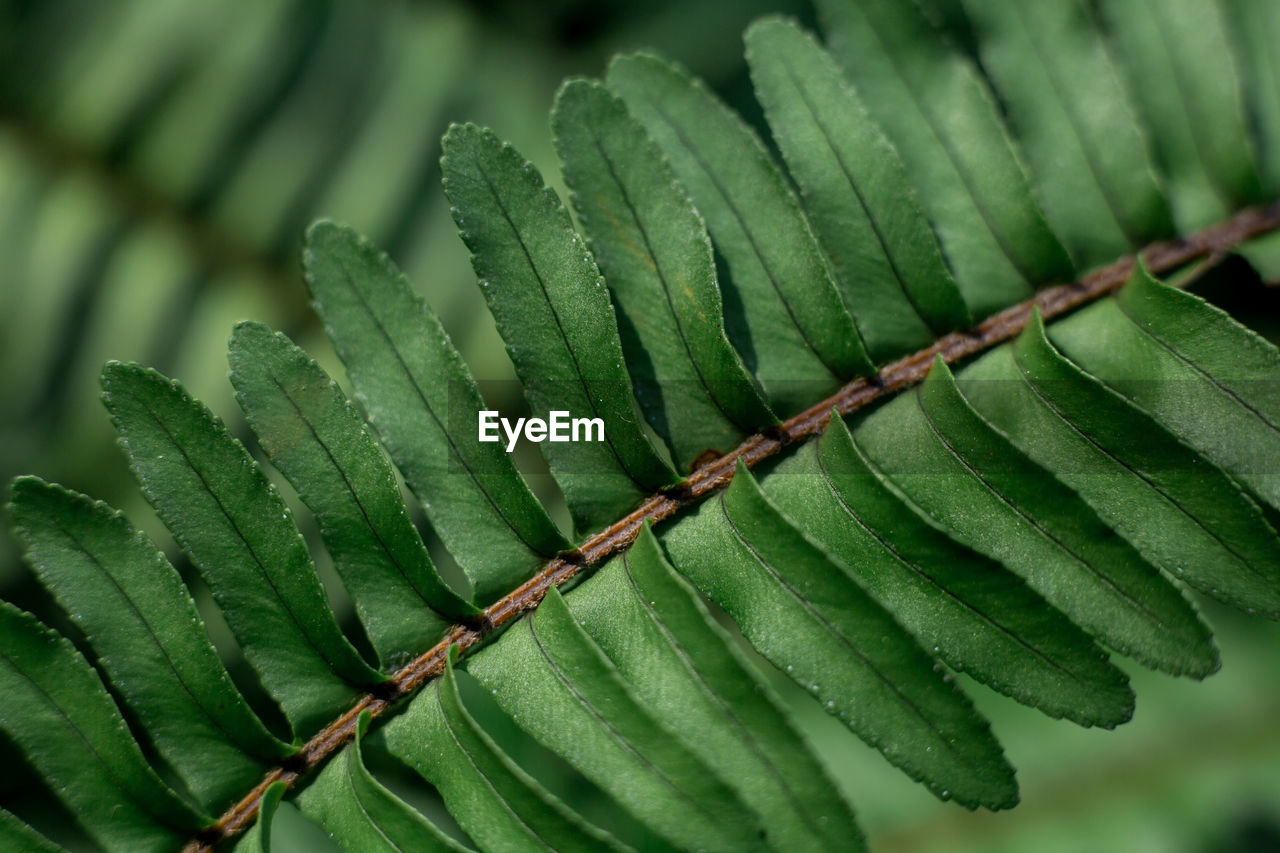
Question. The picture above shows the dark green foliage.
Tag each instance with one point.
(79, 742)
(320, 443)
(554, 312)
(571, 697)
(257, 839)
(810, 619)
(655, 628)
(238, 531)
(1211, 381)
(1139, 477)
(979, 617)
(144, 630)
(890, 269)
(802, 340)
(961, 472)
(159, 163)
(16, 835)
(654, 251)
(1197, 118)
(361, 814)
(1017, 520)
(422, 400)
(495, 801)
(940, 115)
(1075, 122)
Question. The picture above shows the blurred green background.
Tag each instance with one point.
(158, 163)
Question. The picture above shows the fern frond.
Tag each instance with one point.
(1015, 501)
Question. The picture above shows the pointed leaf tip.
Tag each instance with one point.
(551, 307)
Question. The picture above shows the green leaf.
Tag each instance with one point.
(886, 258)
(20, 838)
(803, 613)
(1177, 58)
(143, 627)
(1256, 30)
(684, 667)
(498, 804)
(361, 814)
(321, 444)
(422, 400)
(239, 534)
(1182, 512)
(1088, 157)
(257, 838)
(1206, 378)
(553, 311)
(572, 699)
(944, 458)
(776, 265)
(977, 616)
(653, 249)
(54, 708)
(943, 121)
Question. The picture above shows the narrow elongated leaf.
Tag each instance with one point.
(143, 627)
(1181, 511)
(425, 405)
(975, 614)
(1256, 30)
(238, 532)
(499, 805)
(361, 814)
(964, 474)
(1177, 58)
(1209, 380)
(802, 612)
(320, 443)
(684, 668)
(790, 325)
(54, 708)
(257, 838)
(653, 249)
(1087, 154)
(571, 698)
(17, 836)
(886, 258)
(942, 119)
(553, 310)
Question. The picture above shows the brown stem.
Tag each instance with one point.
(716, 474)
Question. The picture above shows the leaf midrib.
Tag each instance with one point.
(750, 236)
(285, 600)
(1074, 120)
(716, 700)
(426, 404)
(375, 529)
(1140, 474)
(662, 279)
(621, 458)
(871, 212)
(1109, 582)
(951, 595)
(154, 638)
